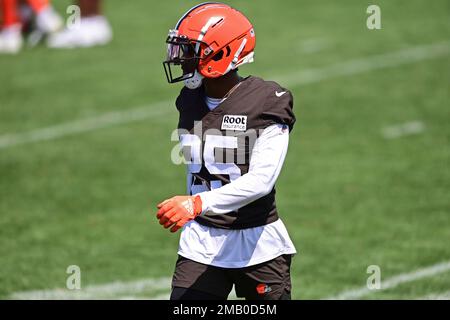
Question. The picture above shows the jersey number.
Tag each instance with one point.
(211, 143)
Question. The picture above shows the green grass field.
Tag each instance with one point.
(350, 195)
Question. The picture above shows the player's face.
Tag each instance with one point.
(189, 63)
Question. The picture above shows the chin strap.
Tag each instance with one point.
(194, 82)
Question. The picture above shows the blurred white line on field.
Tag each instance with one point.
(114, 290)
(105, 120)
(395, 281)
(351, 67)
(133, 290)
(404, 129)
(314, 45)
(163, 296)
(436, 296)
(304, 77)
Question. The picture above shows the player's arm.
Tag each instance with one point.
(267, 159)
(266, 162)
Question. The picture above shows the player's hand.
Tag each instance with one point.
(177, 211)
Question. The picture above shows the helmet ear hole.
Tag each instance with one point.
(218, 56)
(228, 51)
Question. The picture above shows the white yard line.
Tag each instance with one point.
(313, 45)
(131, 290)
(395, 281)
(84, 125)
(436, 296)
(403, 129)
(114, 290)
(134, 290)
(382, 61)
(409, 55)
(163, 296)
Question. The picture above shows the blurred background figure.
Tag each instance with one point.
(94, 29)
(15, 14)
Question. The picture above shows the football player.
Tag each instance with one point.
(234, 132)
(47, 21)
(94, 29)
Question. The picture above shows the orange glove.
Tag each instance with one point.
(177, 211)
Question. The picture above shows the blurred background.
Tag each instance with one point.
(85, 150)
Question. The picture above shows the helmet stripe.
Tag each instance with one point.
(235, 60)
(192, 9)
(205, 28)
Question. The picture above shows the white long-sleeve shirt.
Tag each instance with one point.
(265, 164)
(241, 248)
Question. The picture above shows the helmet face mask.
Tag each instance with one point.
(181, 51)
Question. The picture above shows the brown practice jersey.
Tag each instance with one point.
(218, 144)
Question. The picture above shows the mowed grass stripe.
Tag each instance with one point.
(352, 67)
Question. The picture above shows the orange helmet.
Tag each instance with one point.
(208, 41)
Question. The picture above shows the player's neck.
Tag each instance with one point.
(219, 87)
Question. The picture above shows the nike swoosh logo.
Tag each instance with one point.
(279, 94)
